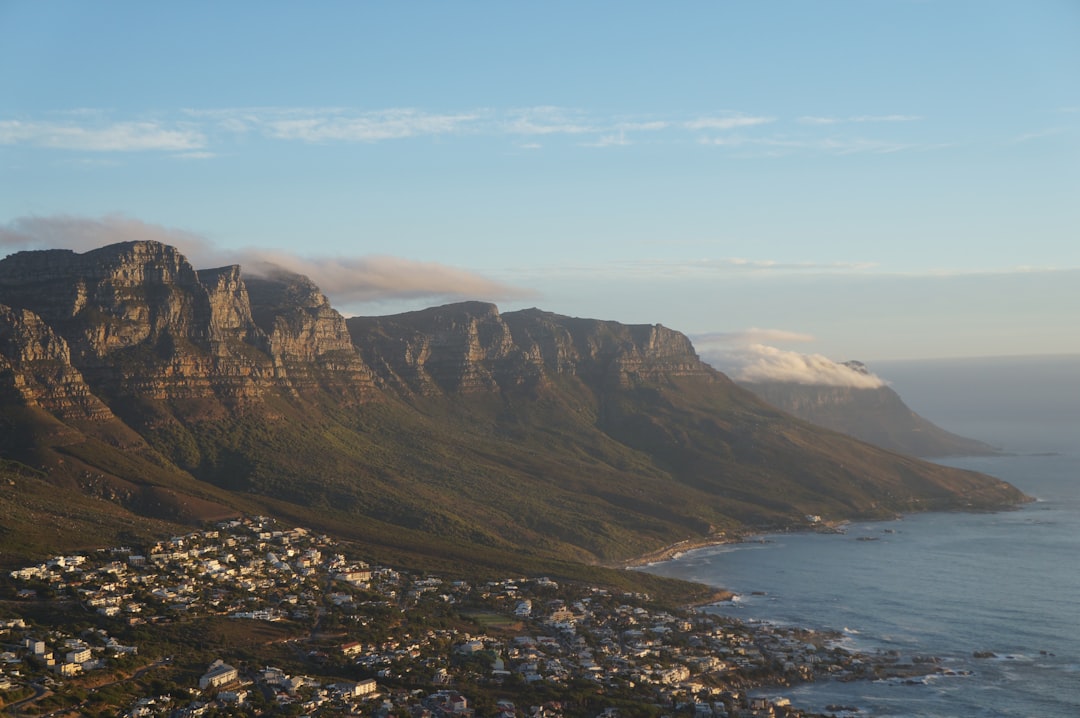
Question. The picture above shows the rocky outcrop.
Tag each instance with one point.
(618, 353)
(469, 347)
(459, 348)
(36, 370)
(141, 322)
(137, 318)
(306, 337)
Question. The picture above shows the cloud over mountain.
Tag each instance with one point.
(744, 357)
(347, 280)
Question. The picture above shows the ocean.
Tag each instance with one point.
(948, 585)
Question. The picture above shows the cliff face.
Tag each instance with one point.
(36, 370)
(306, 338)
(140, 321)
(618, 354)
(469, 347)
(461, 348)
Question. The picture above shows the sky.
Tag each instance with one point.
(849, 179)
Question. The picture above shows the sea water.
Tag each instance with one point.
(948, 585)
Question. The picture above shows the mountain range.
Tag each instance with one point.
(137, 393)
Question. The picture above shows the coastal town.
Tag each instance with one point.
(299, 627)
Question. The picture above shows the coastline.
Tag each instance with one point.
(677, 549)
(672, 551)
(834, 660)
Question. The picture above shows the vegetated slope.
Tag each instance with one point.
(875, 415)
(455, 433)
(35, 521)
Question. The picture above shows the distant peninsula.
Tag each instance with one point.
(875, 414)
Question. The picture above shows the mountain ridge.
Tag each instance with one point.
(456, 429)
(876, 415)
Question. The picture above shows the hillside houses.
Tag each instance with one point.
(249, 570)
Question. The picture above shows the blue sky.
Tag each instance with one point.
(873, 179)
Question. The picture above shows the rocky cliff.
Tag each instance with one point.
(306, 338)
(36, 370)
(462, 348)
(141, 321)
(469, 347)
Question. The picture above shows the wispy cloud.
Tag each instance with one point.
(830, 145)
(653, 126)
(811, 120)
(205, 133)
(726, 122)
(377, 278)
(101, 137)
(616, 140)
(349, 281)
(370, 127)
(334, 124)
(548, 121)
(1039, 134)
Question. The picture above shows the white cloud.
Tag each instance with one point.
(811, 120)
(726, 122)
(367, 127)
(346, 280)
(547, 120)
(114, 137)
(203, 133)
(615, 140)
(761, 363)
(654, 126)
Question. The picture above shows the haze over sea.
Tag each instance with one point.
(945, 584)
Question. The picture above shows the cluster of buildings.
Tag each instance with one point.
(27, 652)
(409, 644)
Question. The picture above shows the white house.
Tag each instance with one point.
(219, 674)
